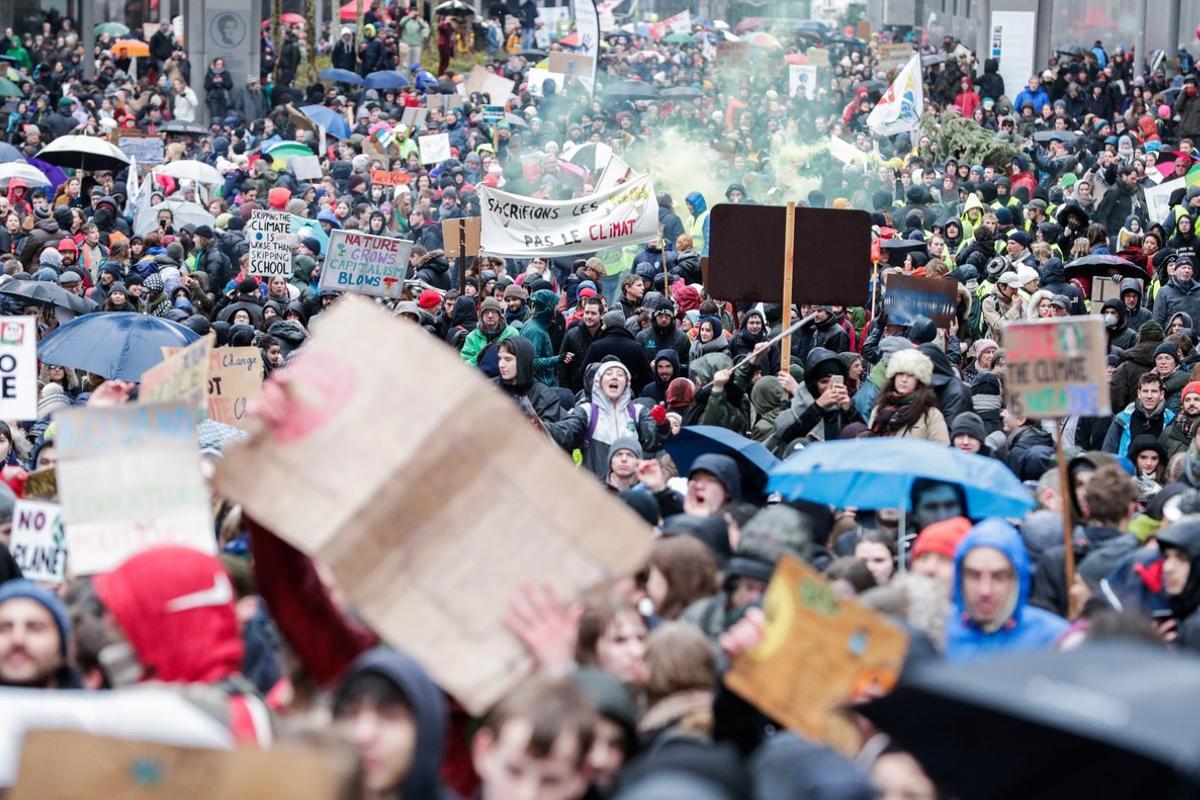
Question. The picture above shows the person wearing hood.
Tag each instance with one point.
(663, 333)
(578, 339)
(666, 369)
(1054, 279)
(615, 340)
(1180, 547)
(991, 613)
(477, 348)
(686, 263)
(609, 414)
(1148, 414)
(516, 378)
(463, 318)
(753, 331)
(1135, 362)
(434, 269)
(821, 406)
(736, 193)
(1183, 243)
(699, 228)
(769, 399)
(710, 338)
(537, 330)
(1121, 336)
(672, 226)
(953, 396)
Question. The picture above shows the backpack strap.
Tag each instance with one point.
(593, 421)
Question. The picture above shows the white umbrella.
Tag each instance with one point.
(183, 211)
(196, 171)
(26, 172)
(84, 152)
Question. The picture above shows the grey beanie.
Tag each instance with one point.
(614, 319)
(893, 344)
(971, 424)
(625, 443)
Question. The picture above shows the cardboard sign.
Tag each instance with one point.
(269, 235)
(182, 378)
(434, 148)
(443, 101)
(18, 368)
(746, 255)
(1104, 289)
(42, 484)
(414, 118)
(817, 56)
(460, 237)
(306, 168)
(432, 570)
(104, 768)
(570, 64)
(235, 376)
(381, 177)
(907, 298)
(365, 264)
(497, 88)
(523, 227)
(819, 653)
(733, 53)
(146, 148)
(893, 56)
(38, 543)
(151, 494)
(802, 79)
(1056, 368)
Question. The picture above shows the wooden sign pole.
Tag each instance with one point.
(1064, 490)
(462, 255)
(789, 243)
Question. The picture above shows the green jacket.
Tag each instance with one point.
(477, 340)
(537, 330)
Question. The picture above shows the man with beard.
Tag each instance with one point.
(663, 334)
(1178, 435)
(35, 630)
(1147, 414)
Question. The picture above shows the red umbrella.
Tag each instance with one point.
(290, 18)
(349, 12)
(570, 41)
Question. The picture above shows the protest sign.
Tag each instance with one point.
(434, 148)
(151, 494)
(523, 227)
(414, 117)
(109, 768)
(42, 484)
(819, 652)
(38, 543)
(146, 148)
(571, 65)
(381, 177)
(746, 255)
(907, 298)
(358, 262)
(817, 56)
(491, 115)
(183, 378)
(893, 56)
(443, 101)
(731, 54)
(538, 78)
(18, 368)
(431, 571)
(306, 168)
(802, 78)
(497, 88)
(1158, 199)
(235, 376)
(269, 235)
(1056, 368)
(460, 236)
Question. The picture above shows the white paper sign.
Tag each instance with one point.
(306, 168)
(18, 368)
(1158, 199)
(434, 148)
(538, 78)
(38, 543)
(802, 78)
(523, 227)
(270, 238)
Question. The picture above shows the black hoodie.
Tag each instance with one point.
(1120, 337)
(464, 318)
(523, 388)
(953, 395)
(1054, 279)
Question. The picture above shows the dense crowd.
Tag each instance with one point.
(1003, 189)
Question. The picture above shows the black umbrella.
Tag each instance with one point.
(179, 126)
(681, 93)
(874, 85)
(932, 59)
(630, 90)
(1066, 137)
(1073, 50)
(45, 293)
(1102, 264)
(455, 8)
(1105, 720)
(896, 250)
(532, 55)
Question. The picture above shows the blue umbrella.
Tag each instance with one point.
(754, 460)
(879, 472)
(8, 153)
(116, 345)
(385, 79)
(333, 123)
(340, 76)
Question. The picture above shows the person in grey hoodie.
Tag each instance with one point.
(1181, 293)
(1131, 298)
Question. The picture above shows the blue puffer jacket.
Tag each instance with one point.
(1028, 628)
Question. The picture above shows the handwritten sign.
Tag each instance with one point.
(18, 368)
(819, 653)
(893, 56)
(306, 168)
(358, 262)
(183, 377)
(381, 177)
(269, 235)
(88, 432)
(38, 543)
(496, 87)
(434, 148)
(234, 379)
(147, 149)
(907, 298)
(1056, 368)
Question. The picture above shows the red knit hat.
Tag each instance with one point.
(429, 299)
(941, 537)
(1194, 386)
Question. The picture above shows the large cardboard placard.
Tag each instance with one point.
(365, 264)
(235, 376)
(18, 368)
(105, 768)
(894, 56)
(570, 64)
(820, 653)
(129, 479)
(38, 544)
(181, 377)
(460, 236)
(1056, 368)
(269, 235)
(496, 87)
(523, 227)
(435, 148)
(428, 566)
(907, 297)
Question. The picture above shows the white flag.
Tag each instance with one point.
(902, 104)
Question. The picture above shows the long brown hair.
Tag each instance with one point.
(891, 418)
(691, 572)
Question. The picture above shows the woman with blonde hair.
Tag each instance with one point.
(681, 680)
(1038, 306)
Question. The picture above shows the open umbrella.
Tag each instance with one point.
(183, 212)
(679, 38)
(9, 89)
(120, 346)
(281, 152)
(1066, 137)
(111, 28)
(190, 170)
(455, 8)
(333, 123)
(181, 127)
(1103, 720)
(630, 90)
(571, 40)
(130, 48)
(84, 152)
(593, 156)
(681, 93)
(532, 55)
(932, 60)
(764, 39)
(288, 18)
(19, 169)
(340, 76)
(9, 153)
(45, 293)
(754, 460)
(878, 473)
(515, 120)
(385, 79)
(1102, 264)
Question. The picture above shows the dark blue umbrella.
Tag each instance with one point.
(113, 345)
(385, 79)
(754, 460)
(333, 123)
(8, 153)
(340, 76)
